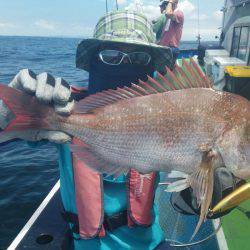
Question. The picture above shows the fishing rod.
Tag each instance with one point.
(106, 6)
(116, 4)
(198, 22)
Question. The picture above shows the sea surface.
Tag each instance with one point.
(27, 174)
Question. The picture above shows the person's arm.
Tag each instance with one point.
(158, 26)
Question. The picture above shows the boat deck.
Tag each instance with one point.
(46, 229)
(49, 231)
(236, 227)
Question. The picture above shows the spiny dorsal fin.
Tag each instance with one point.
(165, 82)
(185, 77)
(204, 78)
(102, 99)
(188, 75)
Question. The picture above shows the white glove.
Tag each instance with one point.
(48, 90)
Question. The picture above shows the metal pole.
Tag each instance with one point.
(106, 6)
(116, 4)
(198, 22)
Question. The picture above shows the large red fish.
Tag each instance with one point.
(191, 129)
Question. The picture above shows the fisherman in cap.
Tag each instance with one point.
(105, 212)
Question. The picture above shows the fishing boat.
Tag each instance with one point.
(226, 63)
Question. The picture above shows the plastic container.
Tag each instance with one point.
(209, 56)
(238, 80)
(216, 52)
(218, 69)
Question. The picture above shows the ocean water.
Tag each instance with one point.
(27, 174)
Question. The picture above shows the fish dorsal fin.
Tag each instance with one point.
(186, 75)
(101, 99)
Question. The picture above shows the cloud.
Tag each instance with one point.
(152, 11)
(45, 24)
(187, 7)
(149, 10)
(191, 11)
(208, 30)
(121, 2)
(6, 25)
(218, 15)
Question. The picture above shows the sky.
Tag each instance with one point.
(77, 18)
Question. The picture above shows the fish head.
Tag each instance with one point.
(244, 146)
(247, 131)
(234, 142)
(234, 149)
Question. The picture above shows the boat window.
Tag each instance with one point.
(241, 42)
(248, 63)
(244, 39)
(236, 39)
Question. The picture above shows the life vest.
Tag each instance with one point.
(89, 198)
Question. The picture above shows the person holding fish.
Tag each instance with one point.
(112, 144)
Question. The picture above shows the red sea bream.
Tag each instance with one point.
(187, 129)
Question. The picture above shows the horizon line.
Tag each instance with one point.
(81, 37)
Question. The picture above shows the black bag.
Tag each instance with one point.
(224, 183)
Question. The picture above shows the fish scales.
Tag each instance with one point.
(191, 130)
(161, 130)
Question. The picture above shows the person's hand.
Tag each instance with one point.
(169, 9)
(224, 183)
(48, 90)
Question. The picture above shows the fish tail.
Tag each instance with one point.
(20, 112)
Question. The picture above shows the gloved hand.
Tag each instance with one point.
(48, 90)
(224, 183)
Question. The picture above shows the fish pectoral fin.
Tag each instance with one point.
(178, 185)
(177, 174)
(202, 183)
(95, 162)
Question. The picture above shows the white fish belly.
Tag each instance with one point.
(145, 152)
